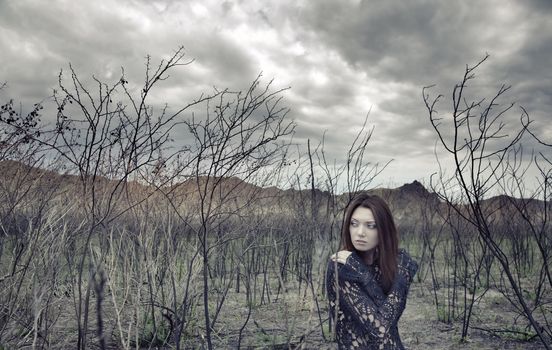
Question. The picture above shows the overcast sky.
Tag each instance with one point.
(340, 59)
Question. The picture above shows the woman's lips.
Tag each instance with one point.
(360, 241)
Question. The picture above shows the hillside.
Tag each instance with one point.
(407, 202)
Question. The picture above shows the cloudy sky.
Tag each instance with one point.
(340, 58)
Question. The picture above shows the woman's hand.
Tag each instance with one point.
(341, 256)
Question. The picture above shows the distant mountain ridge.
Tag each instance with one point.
(405, 201)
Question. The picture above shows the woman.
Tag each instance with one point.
(368, 280)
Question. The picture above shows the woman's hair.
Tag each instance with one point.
(388, 240)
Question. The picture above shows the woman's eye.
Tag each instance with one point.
(371, 225)
(354, 224)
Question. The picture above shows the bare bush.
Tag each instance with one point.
(475, 138)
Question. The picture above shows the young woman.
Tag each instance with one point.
(368, 280)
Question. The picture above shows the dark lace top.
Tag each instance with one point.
(367, 317)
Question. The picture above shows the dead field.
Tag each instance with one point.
(293, 323)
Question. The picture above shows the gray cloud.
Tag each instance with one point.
(340, 58)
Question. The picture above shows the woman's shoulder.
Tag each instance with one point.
(336, 270)
(351, 270)
(403, 254)
(334, 265)
(406, 261)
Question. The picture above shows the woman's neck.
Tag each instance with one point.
(367, 256)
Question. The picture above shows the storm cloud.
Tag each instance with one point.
(341, 59)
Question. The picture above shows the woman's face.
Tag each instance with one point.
(364, 233)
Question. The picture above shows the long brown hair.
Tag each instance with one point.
(388, 238)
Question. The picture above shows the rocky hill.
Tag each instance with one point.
(408, 202)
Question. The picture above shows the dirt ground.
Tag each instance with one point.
(273, 324)
(291, 321)
(420, 328)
